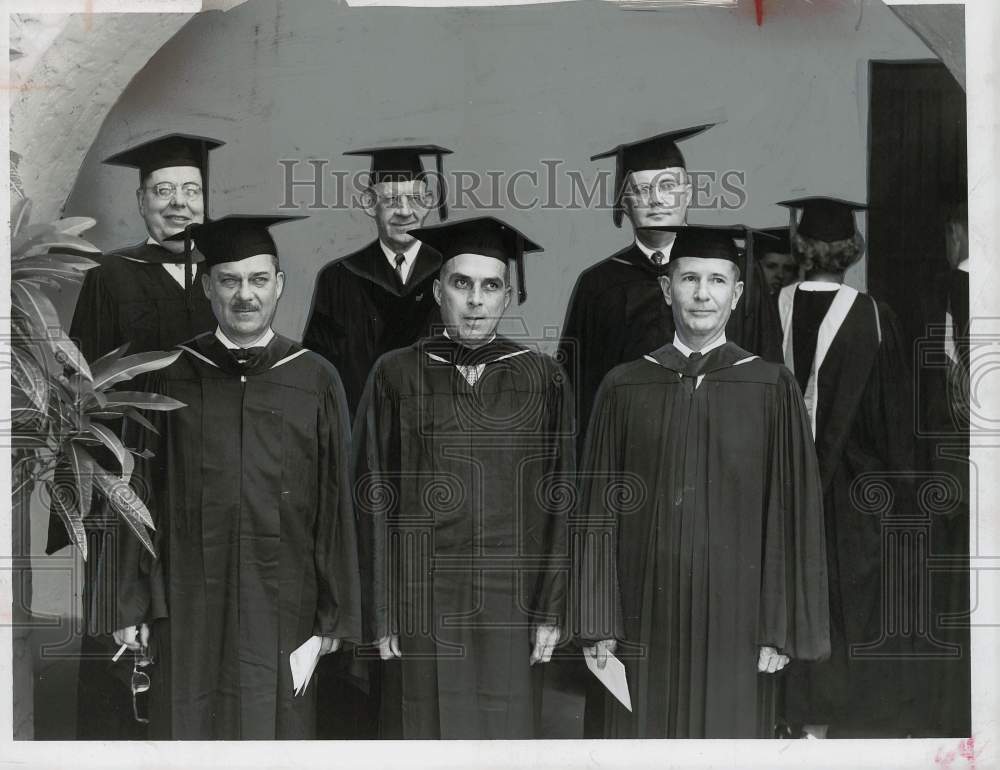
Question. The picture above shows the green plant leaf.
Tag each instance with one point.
(128, 505)
(30, 379)
(132, 366)
(65, 506)
(140, 419)
(139, 400)
(82, 465)
(112, 442)
(37, 308)
(20, 217)
(74, 225)
(52, 243)
(69, 354)
(65, 262)
(108, 360)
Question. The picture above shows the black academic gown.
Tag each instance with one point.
(705, 540)
(617, 313)
(943, 452)
(255, 539)
(361, 311)
(129, 297)
(465, 505)
(858, 393)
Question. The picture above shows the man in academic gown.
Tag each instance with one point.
(249, 488)
(617, 313)
(776, 260)
(365, 304)
(703, 565)
(137, 295)
(379, 298)
(466, 451)
(846, 352)
(943, 400)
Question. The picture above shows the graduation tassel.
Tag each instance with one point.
(442, 188)
(187, 267)
(522, 292)
(748, 280)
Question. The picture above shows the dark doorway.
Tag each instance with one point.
(916, 170)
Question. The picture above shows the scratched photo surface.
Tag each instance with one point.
(549, 522)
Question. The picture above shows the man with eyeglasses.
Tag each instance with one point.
(144, 295)
(379, 298)
(617, 313)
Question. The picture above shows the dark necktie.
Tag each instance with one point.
(658, 258)
(692, 370)
(400, 261)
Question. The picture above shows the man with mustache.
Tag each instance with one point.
(379, 298)
(708, 574)
(256, 555)
(466, 448)
(144, 295)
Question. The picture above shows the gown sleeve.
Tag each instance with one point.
(755, 324)
(378, 490)
(140, 585)
(794, 609)
(94, 327)
(324, 333)
(594, 550)
(338, 610)
(887, 407)
(561, 475)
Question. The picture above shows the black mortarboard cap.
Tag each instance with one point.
(402, 164)
(486, 236)
(718, 242)
(656, 152)
(167, 151)
(826, 219)
(779, 242)
(232, 238)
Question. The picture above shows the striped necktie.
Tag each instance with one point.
(400, 262)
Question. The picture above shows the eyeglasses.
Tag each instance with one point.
(665, 189)
(140, 687)
(415, 200)
(168, 190)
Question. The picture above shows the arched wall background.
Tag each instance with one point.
(503, 88)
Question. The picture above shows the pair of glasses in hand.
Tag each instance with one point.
(140, 686)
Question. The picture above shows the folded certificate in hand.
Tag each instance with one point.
(611, 676)
(303, 662)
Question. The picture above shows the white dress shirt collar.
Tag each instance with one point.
(665, 251)
(819, 286)
(686, 351)
(265, 339)
(174, 269)
(410, 255)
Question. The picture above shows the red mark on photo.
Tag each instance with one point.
(966, 750)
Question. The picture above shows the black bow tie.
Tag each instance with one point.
(247, 356)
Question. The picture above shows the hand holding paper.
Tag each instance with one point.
(303, 660)
(611, 675)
